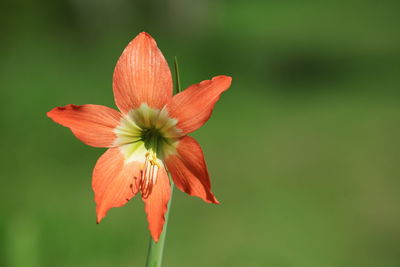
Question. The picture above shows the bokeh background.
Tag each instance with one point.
(303, 150)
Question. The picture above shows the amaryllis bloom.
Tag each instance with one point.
(148, 136)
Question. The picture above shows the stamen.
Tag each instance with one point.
(149, 173)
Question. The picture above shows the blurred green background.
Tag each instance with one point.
(303, 150)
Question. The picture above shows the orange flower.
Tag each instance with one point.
(148, 136)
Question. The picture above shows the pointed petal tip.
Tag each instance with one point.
(49, 114)
(223, 76)
(144, 37)
(212, 200)
(145, 34)
(216, 201)
(155, 238)
(155, 233)
(99, 217)
(227, 79)
(53, 111)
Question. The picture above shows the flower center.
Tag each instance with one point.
(147, 135)
(151, 138)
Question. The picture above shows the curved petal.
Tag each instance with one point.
(193, 106)
(189, 170)
(156, 204)
(92, 124)
(114, 181)
(142, 75)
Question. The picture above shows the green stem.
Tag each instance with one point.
(155, 252)
(178, 87)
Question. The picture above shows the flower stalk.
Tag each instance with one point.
(156, 250)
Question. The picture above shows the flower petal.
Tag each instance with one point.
(92, 124)
(156, 204)
(189, 170)
(142, 75)
(115, 182)
(193, 106)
